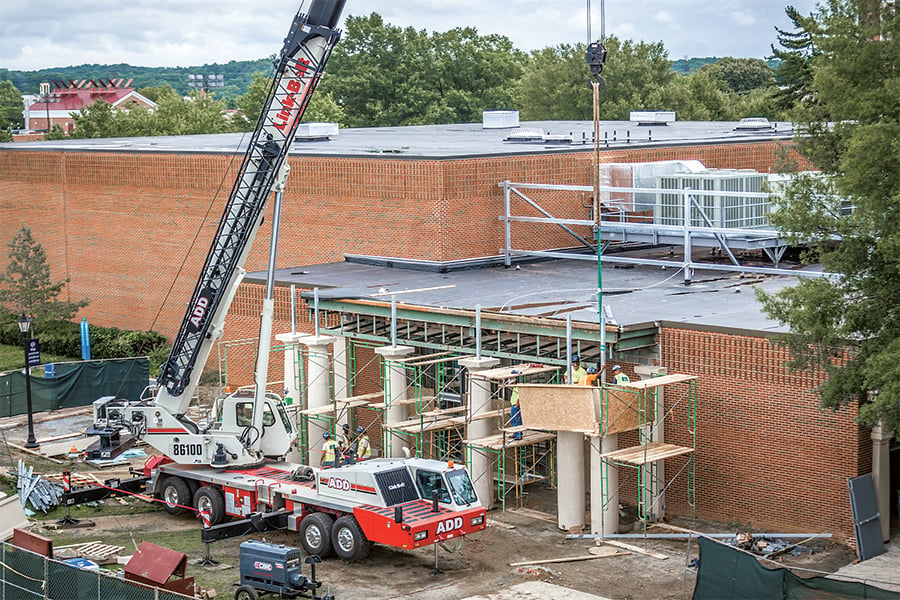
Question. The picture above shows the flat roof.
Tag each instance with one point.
(437, 141)
(637, 295)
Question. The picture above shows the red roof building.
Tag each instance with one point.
(57, 101)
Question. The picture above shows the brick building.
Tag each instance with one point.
(57, 101)
(128, 224)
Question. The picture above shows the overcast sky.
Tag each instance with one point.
(38, 34)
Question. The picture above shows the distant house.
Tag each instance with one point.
(57, 101)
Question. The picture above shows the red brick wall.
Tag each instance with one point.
(767, 454)
(122, 227)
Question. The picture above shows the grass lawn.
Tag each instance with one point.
(13, 358)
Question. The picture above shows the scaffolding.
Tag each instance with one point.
(641, 406)
(521, 456)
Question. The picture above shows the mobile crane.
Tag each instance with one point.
(233, 465)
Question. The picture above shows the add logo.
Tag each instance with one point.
(262, 566)
(449, 525)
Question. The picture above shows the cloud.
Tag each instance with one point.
(37, 34)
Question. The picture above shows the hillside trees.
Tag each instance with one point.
(381, 75)
(855, 82)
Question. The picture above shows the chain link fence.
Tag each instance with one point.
(25, 575)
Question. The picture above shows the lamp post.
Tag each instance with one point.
(24, 325)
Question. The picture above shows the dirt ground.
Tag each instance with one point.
(478, 565)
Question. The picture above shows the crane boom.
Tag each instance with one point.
(297, 72)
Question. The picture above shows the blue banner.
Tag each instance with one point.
(85, 340)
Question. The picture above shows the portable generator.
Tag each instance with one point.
(276, 568)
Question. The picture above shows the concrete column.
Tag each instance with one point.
(654, 474)
(480, 402)
(570, 479)
(395, 411)
(608, 506)
(292, 399)
(881, 473)
(341, 361)
(318, 390)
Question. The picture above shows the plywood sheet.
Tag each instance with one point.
(619, 410)
(501, 373)
(558, 407)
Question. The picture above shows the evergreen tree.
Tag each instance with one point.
(848, 326)
(796, 53)
(27, 286)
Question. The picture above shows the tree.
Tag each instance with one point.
(555, 84)
(381, 75)
(796, 53)
(26, 283)
(11, 106)
(741, 75)
(849, 326)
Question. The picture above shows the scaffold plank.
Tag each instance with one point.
(496, 442)
(640, 455)
(501, 373)
(643, 384)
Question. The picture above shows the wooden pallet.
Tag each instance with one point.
(102, 554)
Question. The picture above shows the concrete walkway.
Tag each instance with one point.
(881, 571)
(537, 590)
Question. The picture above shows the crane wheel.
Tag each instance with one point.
(349, 541)
(211, 499)
(315, 534)
(175, 494)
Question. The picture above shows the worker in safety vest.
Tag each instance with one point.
(619, 377)
(592, 377)
(578, 372)
(363, 447)
(331, 451)
(343, 438)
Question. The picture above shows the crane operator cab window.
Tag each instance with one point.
(245, 415)
(461, 487)
(429, 482)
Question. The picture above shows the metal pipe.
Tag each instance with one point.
(293, 309)
(569, 351)
(316, 309)
(478, 331)
(394, 321)
(684, 536)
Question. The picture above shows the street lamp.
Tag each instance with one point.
(24, 325)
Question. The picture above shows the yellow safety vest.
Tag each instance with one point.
(363, 448)
(330, 448)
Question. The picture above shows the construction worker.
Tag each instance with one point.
(619, 377)
(515, 413)
(330, 452)
(363, 447)
(343, 438)
(592, 377)
(578, 372)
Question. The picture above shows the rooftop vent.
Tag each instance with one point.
(500, 119)
(526, 136)
(652, 117)
(753, 124)
(316, 132)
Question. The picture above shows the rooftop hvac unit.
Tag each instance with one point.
(500, 119)
(729, 210)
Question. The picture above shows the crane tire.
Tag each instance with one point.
(348, 540)
(175, 494)
(315, 534)
(210, 498)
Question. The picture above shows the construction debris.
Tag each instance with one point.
(595, 553)
(42, 494)
(633, 548)
(771, 546)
